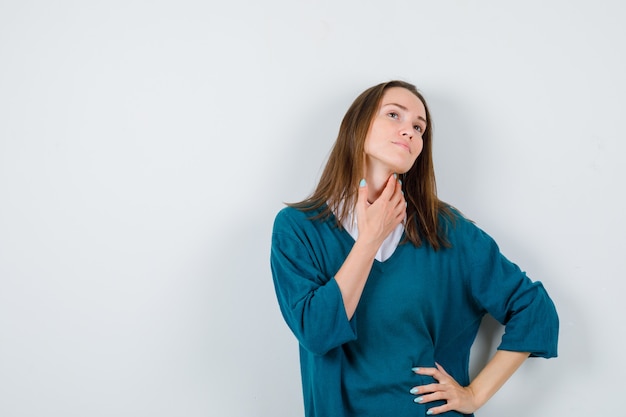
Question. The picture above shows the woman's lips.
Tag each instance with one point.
(403, 145)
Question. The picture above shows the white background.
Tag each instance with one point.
(145, 147)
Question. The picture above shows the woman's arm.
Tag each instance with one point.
(315, 306)
(468, 399)
(375, 223)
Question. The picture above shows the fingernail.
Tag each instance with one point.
(395, 175)
(418, 399)
(400, 181)
(362, 183)
(429, 412)
(416, 369)
(414, 390)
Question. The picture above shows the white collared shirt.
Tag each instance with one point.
(390, 243)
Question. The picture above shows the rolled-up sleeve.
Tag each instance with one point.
(523, 306)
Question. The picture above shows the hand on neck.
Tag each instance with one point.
(376, 182)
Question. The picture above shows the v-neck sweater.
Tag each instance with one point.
(419, 307)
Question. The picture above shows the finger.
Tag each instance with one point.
(438, 410)
(440, 368)
(435, 396)
(438, 373)
(361, 200)
(399, 203)
(398, 194)
(397, 186)
(390, 187)
(362, 193)
(425, 371)
(427, 389)
(399, 214)
(397, 199)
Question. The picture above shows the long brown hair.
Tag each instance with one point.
(338, 185)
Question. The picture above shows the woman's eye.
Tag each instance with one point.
(393, 115)
(418, 128)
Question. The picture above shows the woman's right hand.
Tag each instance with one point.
(377, 220)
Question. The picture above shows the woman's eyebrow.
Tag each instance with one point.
(403, 108)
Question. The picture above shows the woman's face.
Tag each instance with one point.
(394, 139)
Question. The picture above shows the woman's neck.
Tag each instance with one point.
(376, 182)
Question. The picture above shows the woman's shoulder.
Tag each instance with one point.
(297, 212)
(459, 227)
(453, 218)
(291, 217)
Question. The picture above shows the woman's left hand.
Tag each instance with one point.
(458, 398)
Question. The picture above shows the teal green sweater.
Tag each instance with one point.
(418, 307)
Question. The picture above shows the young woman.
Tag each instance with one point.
(384, 285)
